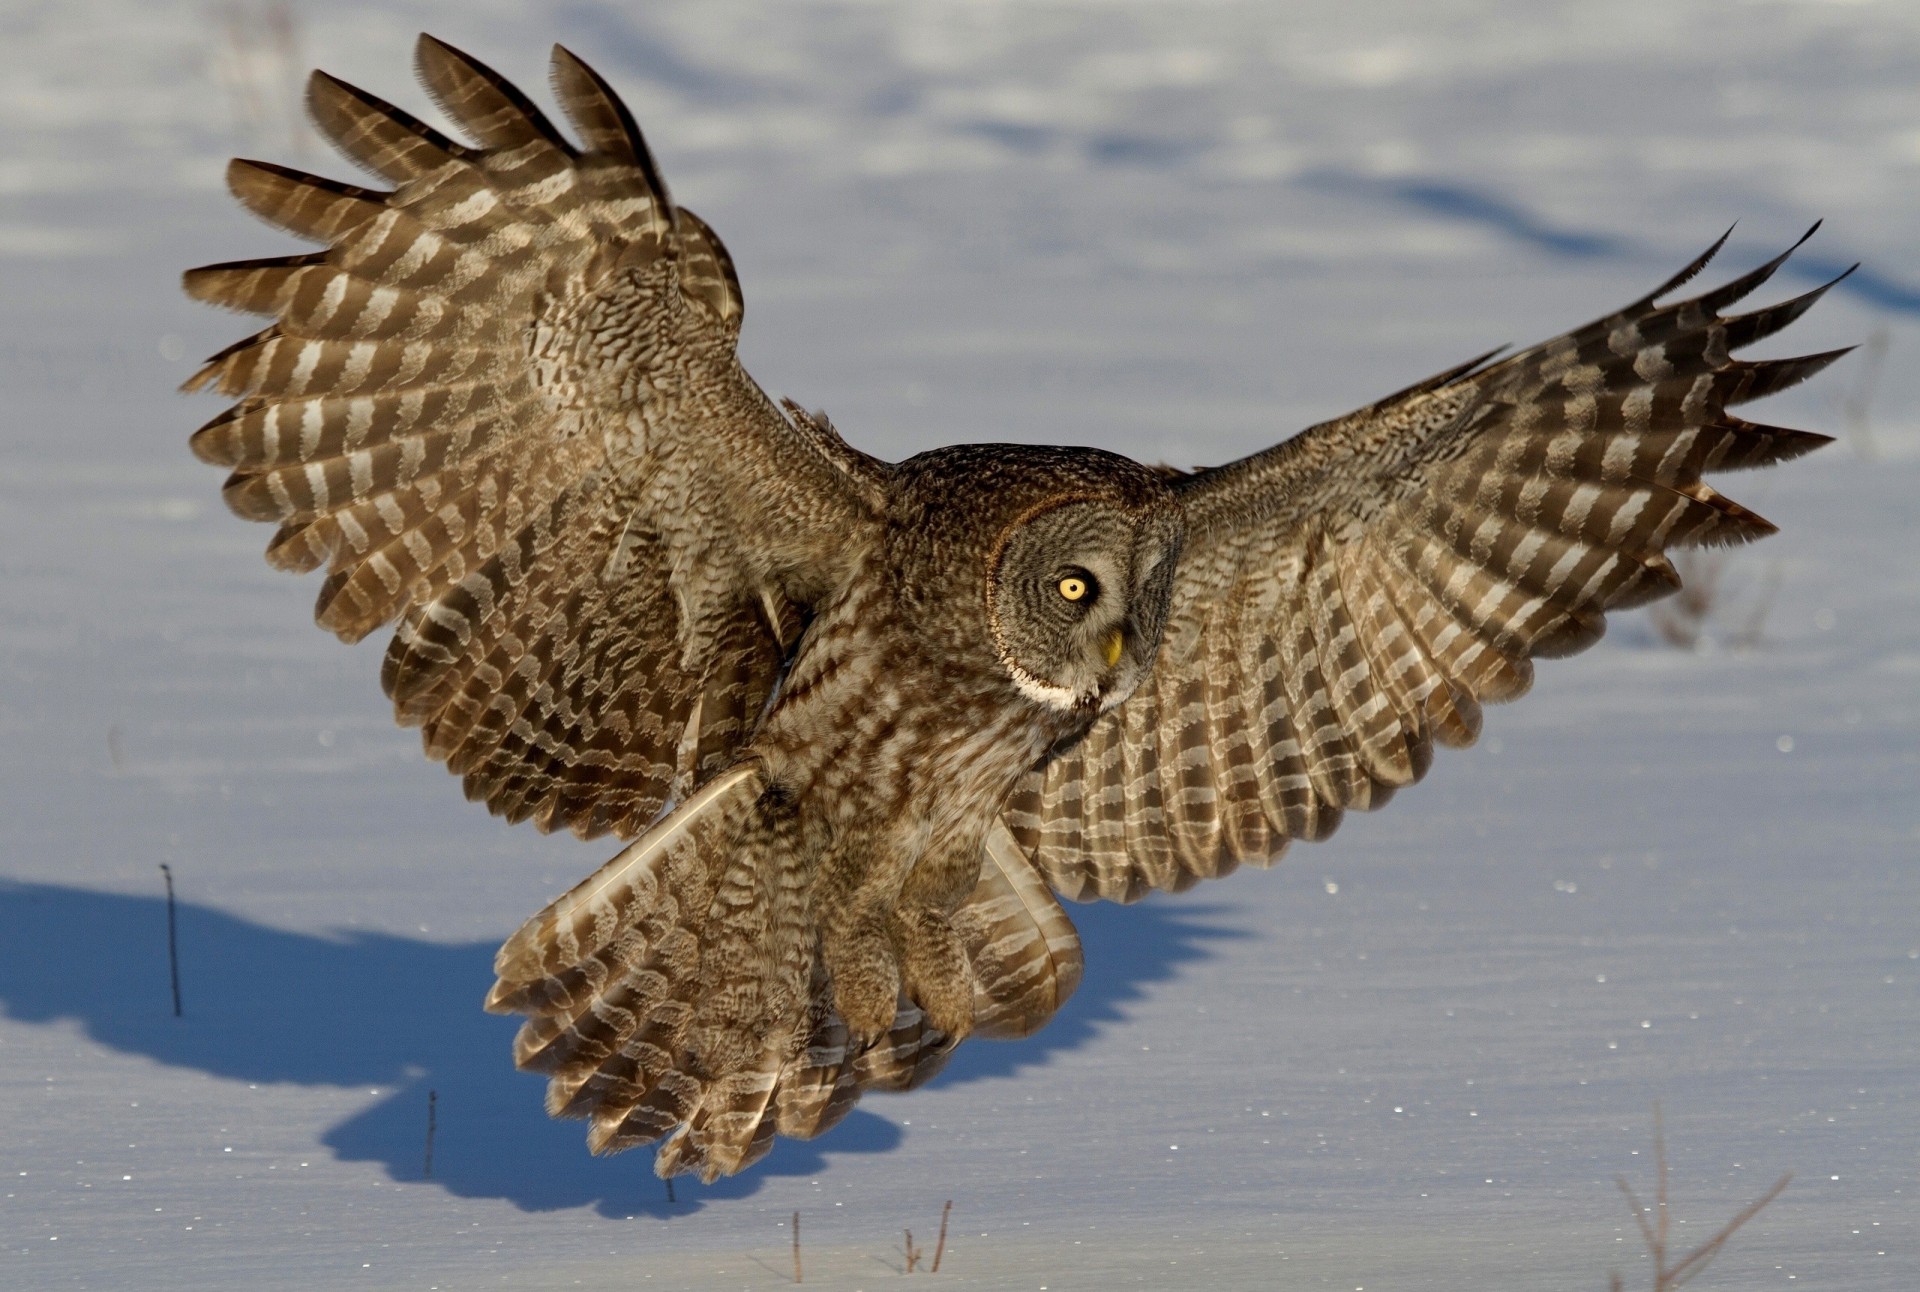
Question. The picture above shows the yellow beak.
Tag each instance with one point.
(1111, 648)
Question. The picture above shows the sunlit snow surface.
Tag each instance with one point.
(1415, 1056)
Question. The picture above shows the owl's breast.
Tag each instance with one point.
(881, 726)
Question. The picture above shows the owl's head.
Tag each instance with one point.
(1078, 549)
(1077, 597)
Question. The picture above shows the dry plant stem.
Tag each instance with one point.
(913, 1253)
(796, 1247)
(173, 940)
(1654, 1231)
(1696, 1260)
(1660, 1185)
(433, 1104)
(939, 1248)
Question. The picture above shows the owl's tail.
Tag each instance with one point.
(678, 992)
(645, 985)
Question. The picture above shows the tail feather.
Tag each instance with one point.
(678, 993)
(607, 903)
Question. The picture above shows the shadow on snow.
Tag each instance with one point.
(401, 1016)
(1466, 204)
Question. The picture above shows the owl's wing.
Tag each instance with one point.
(503, 407)
(1350, 597)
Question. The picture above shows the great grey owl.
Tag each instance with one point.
(859, 717)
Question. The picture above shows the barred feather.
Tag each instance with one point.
(320, 210)
(602, 119)
(394, 423)
(1352, 596)
(609, 977)
(480, 100)
(391, 143)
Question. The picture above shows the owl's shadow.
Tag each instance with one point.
(401, 1017)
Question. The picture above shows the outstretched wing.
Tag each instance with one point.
(1352, 596)
(503, 407)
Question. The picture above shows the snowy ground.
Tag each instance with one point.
(1414, 1057)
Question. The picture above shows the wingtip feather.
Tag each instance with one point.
(1687, 274)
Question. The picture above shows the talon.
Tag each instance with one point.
(936, 972)
(866, 980)
(866, 1019)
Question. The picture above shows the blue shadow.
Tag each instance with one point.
(1457, 202)
(402, 1016)
(1453, 201)
(1472, 206)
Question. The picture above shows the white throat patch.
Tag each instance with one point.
(1040, 692)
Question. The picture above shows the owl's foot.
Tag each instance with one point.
(937, 975)
(916, 949)
(866, 977)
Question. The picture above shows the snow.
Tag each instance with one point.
(1415, 1056)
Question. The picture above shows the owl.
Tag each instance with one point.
(861, 722)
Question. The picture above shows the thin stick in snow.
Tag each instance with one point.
(941, 1246)
(796, 1247)
(433, 1101)
(1652, 1221)
(173, 940)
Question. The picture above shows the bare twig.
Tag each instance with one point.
(1660, 1180)
(1653, 1221)
(940, 1248)
(1696, 1260)
(796, 1247)
(173, 940)
(913, 1253)
(433, 1109)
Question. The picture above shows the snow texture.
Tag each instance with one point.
(1415, 1056)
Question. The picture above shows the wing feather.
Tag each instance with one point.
(502, 407)
(1351, 597)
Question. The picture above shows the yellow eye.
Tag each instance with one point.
(1073, 588)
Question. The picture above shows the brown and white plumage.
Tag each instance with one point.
(432, 416)
(857, 717)
(1350, 597)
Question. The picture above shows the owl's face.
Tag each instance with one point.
(1077, 597)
